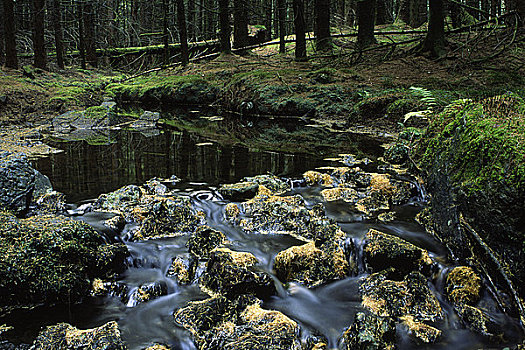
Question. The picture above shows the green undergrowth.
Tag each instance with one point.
(483, 142)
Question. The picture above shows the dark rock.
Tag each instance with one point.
(183, 269)
(66, 337)
(239, 191)
(51, 202)
(110, 259)
(147, 292)
(123, 200)
(204, 240)
(409, 297)
(219, 323)
(110, 288)
(479, 321)
(3, 99)
(370, 332)
(382, 250)
(232, 273)
(17, 182)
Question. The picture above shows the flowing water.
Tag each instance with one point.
(84, 171)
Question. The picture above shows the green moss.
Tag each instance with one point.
(96, 112)
(484, 142)
(45, 259)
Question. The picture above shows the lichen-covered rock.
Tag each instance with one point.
(158, 347)
(239, 191)
(271, 182)
(370, 332)
(463, 285)
(420, 330)
(17, 182)
(219, 323)
(204, 240)
(310, 265)
(122, 200)
(411, 296)
(147, 292)
(479, 321)
(49, 259)
(387, 217)
(51, 202)
(231, 273)
(382, 250)
(316, 178)
(231, 211)
(340, 193)
(183, 269)
(110, 288)
(63, 336)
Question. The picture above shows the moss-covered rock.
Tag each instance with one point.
(383, 250)
(17, 182)
(463, 285)
(204, 240)
(473, 154)
(310, 265)
(231, 274)
(51, 259)
(370, 332)
(218, 323)
(147, 292)
(240, 191)
(63, 336)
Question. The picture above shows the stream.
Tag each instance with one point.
(84, 171)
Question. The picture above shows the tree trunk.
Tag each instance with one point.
(495, 8)
(57, 27)
(322, 24)
(183, 34)
(165, 39)
(300, 37)
(240, 23)
(365, 23)
(381, 12)
(191, 20)
(224, 24)
(474, 4)
(39, 48)
(2, 36)
(208, 19)
(81, 38)
(418, 13)
(281, 12)
(434, 42)
(268, 19)
(11, 59)
(520, 7)
(89, 33)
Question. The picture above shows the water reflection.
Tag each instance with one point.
(85, 170)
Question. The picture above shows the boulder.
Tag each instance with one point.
(203, 241)
(409, 297)
(310, 265)
(463, 286)
(240, 191)
(420, 330)
(183, 269)
(370, 332)
(102, 288)
(231, 273)
(63, 336)
(382, 250)
(147, 292)
(51, 202)
(313, 178)
(51, 259)
(17, 182)
(219, 323)
(340, 193)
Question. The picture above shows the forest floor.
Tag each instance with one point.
(374, 89)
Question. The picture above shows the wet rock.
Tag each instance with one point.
(182, 269)
(66, 337)
(463, 285)
(17, 182)
(110, 259)
(231, 211)
(387, 217)
(165, 217)
(344, 175)
(420, 330)
(231, 273)
(122, 200)
(147, 292)
(397, 153)
(479, 321)
(340, 193)
(240, 191)
(382, 250)
(219, 323)
(51, 202)
(271, 182)
(158, 347)
(372, 204)
(156, 187)
(316, 178)
(409, 297)
(204, 240)
(370, 332)
(310, 265)
(42, 186)
(116, 223)
(109, 288)
(49, 259)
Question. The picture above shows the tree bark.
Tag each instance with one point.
(57, 27)
(418, 13)
(191, 20)
(81, 38)
(322, 24)
(165, 39)
(281, 13)
(365, 23)
(520, 8)
(495, 8)
(434, 42)
(39, 48)
(2, 36)
(300, 37)
(381, 12)
(268, 19)
(240, 24)
(89, 32)
(224, 26)
(183, 34)
(474, 4)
